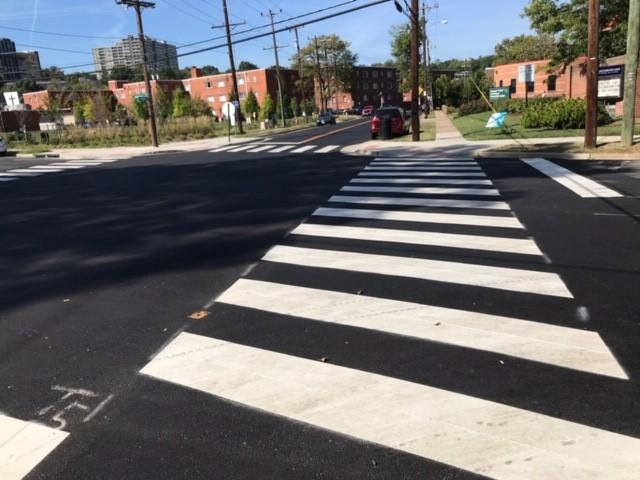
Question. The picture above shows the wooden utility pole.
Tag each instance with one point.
(326, 72)
(591, 125)
(138, 5)
(415, 74)
(425, 59)
(323, 107)
(631, 74)
(232, 65)
(301, 73)
(275, 51)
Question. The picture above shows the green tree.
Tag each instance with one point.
(268, 108)
(250, 105)
(525, 48)
(163, 104)
(567, 21)
(88, 111)
(287, 107)
(181, 103)
(244, 65)
(401, 53)
(339, 63)
(294, 106)
(78, 113)
(199, 108)
(210, 70)
(140, 109)
(126, 73)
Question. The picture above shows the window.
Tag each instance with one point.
(241, 81)
(365, 85)
(365, 74)
(551, 83)
(389, 97)
(375, 85)
(208, 83)
(375, 74)
(501, 83)
(389, 73)
(365, 98)
(254, 80)
(531, 87)
(211, 99)
(389, 86)
(220, 84)
(513, 86)
(223, 98)
(242, 95)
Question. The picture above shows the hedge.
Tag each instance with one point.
(562, 114)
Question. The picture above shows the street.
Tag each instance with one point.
(281, 310)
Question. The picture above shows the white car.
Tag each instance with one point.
(3, 146)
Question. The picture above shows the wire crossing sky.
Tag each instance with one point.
(71, 31)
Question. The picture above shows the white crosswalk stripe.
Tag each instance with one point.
(306, 148)
(424, 190)
(511, 279)
(422, 175)
(379, 163)
(7, 179)
(23, 445)
(222, 149)
(70, 166)
(421, 217)
(242, 148)
(327, 149)
(456, 429)
(260, 149)
(451, 240)
(281, 149)
(423, 181)
(46, 169)
(421, 169)
(420, 202)
(20, 173)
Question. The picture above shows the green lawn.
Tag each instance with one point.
(427, 131)
(472, 127)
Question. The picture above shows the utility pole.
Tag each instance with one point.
(326, 69)
(631, 73)
(275, 51)
(319, 73)
(138, 5)
(301, 73)
(415, 76)
(335, 78)
(232, 64)
(591, 126)
(426, 56)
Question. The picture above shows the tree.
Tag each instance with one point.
(126, 73)
(525, 48)
(88, 111)
(336, 67)
(181, 104)
(295, 107)
(244, 65)
(209, 70)
(102, 107)
(250, 105)
(268, 108)
(386, 64)
(401, 53)
(163, 104)
(140, 109)
(199, 108)
(287, 107)
(52, 73)
(567, 21)
(78, 113)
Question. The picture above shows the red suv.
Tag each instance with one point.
(400, 122)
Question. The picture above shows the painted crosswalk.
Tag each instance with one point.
(270, 148)
(54, 167)
(394, 239)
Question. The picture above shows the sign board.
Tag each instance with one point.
(526, 73)
(236, 103)
(501, 93)
(229, 111)
(611, 82)
(12, 98)
(142, 97)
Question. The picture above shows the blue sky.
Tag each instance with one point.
(473, 27)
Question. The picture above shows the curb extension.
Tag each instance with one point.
(559, 156)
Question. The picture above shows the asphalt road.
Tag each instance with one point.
(292, 371)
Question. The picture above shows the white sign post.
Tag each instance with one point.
(229, 111)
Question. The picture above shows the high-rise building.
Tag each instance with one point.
(17, 65)
(128, 53)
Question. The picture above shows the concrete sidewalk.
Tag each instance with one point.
(445, 129)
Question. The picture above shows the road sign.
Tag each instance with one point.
(142, 97)
(12, 98)
(229, 111)
(611, 82)
(236, 103)
(526, 73)
(501, 93)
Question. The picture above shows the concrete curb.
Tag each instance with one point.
(559, 156)
(32, 155)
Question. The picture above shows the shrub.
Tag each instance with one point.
(562, 114)
(519, 105)
(474, 106)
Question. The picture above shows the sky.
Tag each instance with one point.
(472, 28)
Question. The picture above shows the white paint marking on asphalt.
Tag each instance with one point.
(222, 149)
(524, 246)
(242, 148)
(488, 192)
(7, 179)
(45, 169)
(23, 445)
(512, 279)
(426, 217)
(303, 149)
(539, 342)
(25, 170)
(417, 174)
(281, 149)
(327, 149)
(490, 438)
(582, 186)
(411, 158)
(20, 173)
(66, 166)
(421, 202)
(83, 163)
(261, 149)
(380, 163)
(422, 169)
(424, 181)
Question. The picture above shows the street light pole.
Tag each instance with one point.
(415, 77)
(591, 124)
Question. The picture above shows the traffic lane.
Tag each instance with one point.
(107, 264)
(11, 162)
(594, 244)
(305, 134)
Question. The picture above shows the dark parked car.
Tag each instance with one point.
(326, 118)
(400, 121)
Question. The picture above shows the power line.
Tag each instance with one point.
(184, 12)
(58, 34)
(40, 47)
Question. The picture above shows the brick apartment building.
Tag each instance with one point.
(369, 86)
(40, 100)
